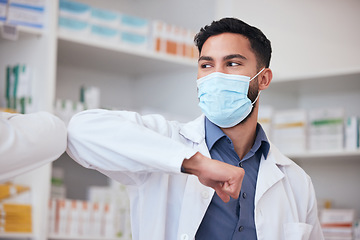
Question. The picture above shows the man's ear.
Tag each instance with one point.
(265, 78)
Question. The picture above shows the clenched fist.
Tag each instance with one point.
(224, 178)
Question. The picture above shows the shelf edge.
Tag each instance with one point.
(141, 52)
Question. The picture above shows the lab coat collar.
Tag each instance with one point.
(195, 131)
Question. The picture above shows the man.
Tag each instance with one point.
(217, 177)
(29, 141)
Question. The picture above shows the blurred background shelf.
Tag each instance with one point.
(326, 155)
(116, 58)
(65, 237)
(27, 31)
(16, 235)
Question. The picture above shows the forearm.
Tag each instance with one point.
(124, 142)
(29, 140)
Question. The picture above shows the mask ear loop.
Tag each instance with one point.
(260, 90)
(257, 74)
(256, 98)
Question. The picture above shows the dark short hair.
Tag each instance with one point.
(260, 45)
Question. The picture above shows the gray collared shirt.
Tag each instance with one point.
(235, 219)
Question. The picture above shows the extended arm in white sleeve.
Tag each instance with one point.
(28, 141)
(121, 142)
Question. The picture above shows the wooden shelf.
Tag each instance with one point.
(91, 53)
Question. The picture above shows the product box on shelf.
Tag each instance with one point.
(337, 223)
(104, 33)
(129, 23)
(172, 34)
(134, 31)
(90, 96)
(18, 91)
(15, 218)
(15, 208)
(103, 17)
(74, 10)
(134, 39)
(265, 116)
(3, 9)
(65, 109)
(289, 130)
(326, 129)
(26, 13)
(172, 40)
(78, 218)
(58, 188)
(158, 36)
(352, 133)
(73, 26)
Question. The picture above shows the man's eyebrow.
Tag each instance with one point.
(232, 56)
(205, 58)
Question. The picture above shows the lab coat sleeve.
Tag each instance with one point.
(119, 143)
(28, 141)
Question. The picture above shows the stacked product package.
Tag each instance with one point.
(104, 215)
(338, 223)
(289, 130)
(18, 88)
(15, 209)
(3, 10)
(298, 130)
(28, 13)
(81, 218)
(173, 40)
(326, 129)
(124, 30)
(89, 99)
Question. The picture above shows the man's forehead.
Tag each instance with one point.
(226, 44)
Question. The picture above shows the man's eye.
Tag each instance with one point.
(233, 64)
(205, 65)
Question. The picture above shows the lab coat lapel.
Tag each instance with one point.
(269, 174)
(197, 197)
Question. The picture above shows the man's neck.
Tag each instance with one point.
(243, 135)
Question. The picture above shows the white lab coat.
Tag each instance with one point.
(28, 141)
(146, 154)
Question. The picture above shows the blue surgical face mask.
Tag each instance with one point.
(223, 98)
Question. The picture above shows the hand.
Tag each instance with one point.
(224, 178)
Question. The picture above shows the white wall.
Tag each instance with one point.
(172, 93)
(309, 38)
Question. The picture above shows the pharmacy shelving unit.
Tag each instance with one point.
(64, 62)
(89, 50)
(36, 48)
(23, 31)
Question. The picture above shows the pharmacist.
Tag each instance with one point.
(28, 141)
(217, 177)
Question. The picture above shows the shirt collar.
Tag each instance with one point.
(213, 133)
